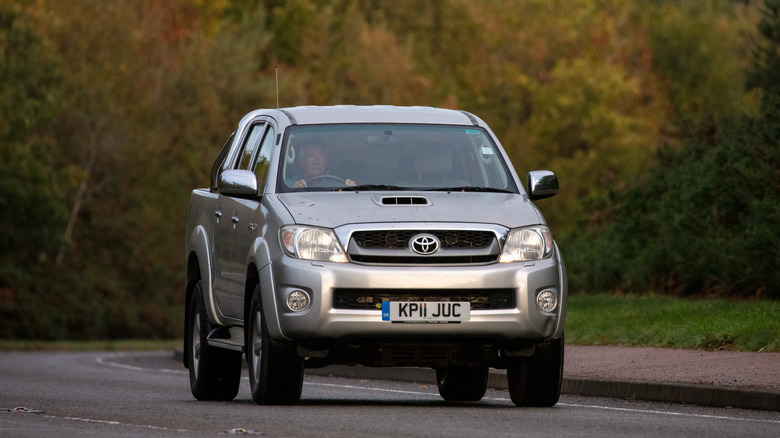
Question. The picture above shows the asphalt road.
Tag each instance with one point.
(146, 394)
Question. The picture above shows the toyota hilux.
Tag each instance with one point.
(376, 236)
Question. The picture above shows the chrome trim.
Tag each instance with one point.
(344, 233)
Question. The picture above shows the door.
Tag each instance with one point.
(231, 220)
(249, 221)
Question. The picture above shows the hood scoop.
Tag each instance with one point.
(401, 200)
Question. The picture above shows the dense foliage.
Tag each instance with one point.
(704, 219)
(112, 111)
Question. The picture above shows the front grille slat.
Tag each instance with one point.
(391, 247)
(480, 299)
(400, 238)
(389, 260)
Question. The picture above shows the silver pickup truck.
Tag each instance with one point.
(378, 236)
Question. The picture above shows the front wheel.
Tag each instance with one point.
(462, 383)
(215, 373)
(275, 369)
(536, 380)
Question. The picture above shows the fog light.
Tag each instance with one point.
(298, 301)
(546, 301)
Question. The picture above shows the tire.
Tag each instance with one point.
(215, 373)
(275, 369)
(462, 383)
(536, 381)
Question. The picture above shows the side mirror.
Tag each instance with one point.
(542, 184)
(237, 183)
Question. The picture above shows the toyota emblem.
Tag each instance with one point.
(425, 244)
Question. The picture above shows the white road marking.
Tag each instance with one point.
(672, 413)
(394, 391)
(572, 405)
(106, 360)
(117, 423)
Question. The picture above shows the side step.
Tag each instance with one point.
(231, 338)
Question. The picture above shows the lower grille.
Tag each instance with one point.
(480, 299)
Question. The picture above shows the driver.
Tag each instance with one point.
(313, 162)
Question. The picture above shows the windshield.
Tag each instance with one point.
(392, 157)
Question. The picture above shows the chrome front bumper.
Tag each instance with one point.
(322, 321)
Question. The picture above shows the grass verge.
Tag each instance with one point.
(602, 319)
(116, 345)
(670, 322)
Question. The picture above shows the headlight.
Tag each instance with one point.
(524, 244)
(309, 243)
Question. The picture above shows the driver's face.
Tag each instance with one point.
(313, 160)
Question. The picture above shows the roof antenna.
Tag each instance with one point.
(279, 135)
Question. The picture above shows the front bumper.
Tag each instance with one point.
(322, 321)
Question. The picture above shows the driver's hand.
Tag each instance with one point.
(301, 183)
(349, 182)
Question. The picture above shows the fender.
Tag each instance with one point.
(199, 244)
(564, 285)
(269, 303)
(261, 256)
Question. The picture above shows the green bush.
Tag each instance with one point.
(703, 220)
(111, 112)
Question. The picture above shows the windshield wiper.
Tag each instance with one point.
(469, 189)
(372, 187)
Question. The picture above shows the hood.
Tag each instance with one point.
(334, 209)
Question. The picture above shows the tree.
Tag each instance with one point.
(111, 112)
(32, 205)
(766, 57)
(704, 219)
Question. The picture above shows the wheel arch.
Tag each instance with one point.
(193, 276)
(563, 281)
(198, 253)
(252, 280)
(260, 268)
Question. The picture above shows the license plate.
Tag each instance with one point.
(426, 311)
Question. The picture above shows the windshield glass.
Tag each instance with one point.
(392, 157)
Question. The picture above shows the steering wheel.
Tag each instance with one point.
(317, 181)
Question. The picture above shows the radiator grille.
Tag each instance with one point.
(392, 247)
(400, 238)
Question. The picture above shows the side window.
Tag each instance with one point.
(250, 144)
(264, 159)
